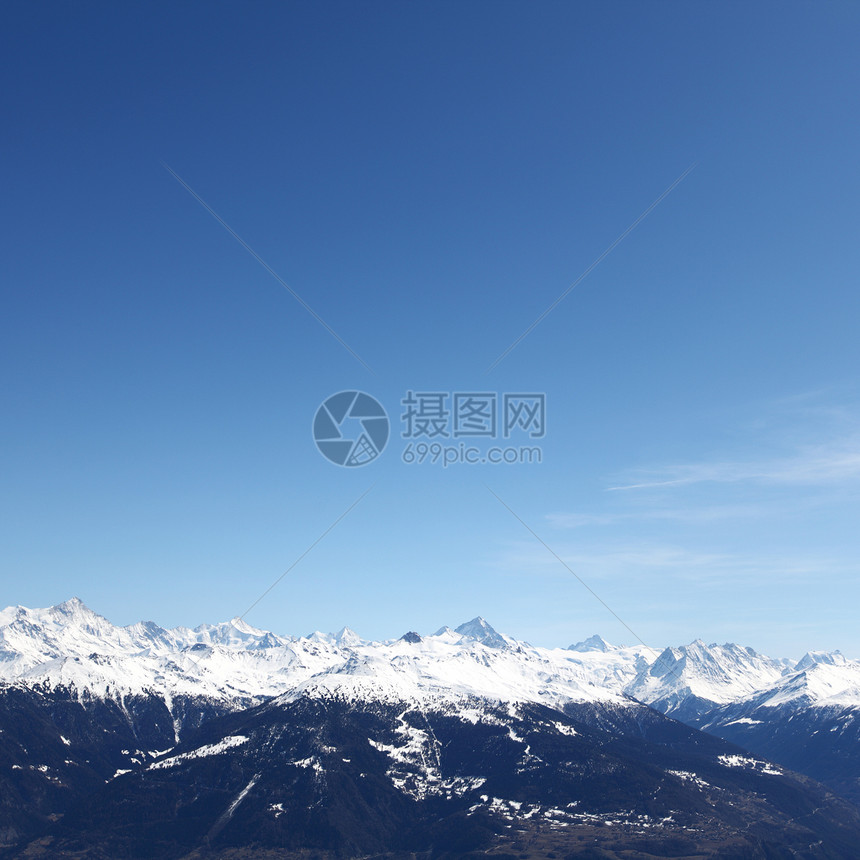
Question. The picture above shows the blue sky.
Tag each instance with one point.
(429, 178)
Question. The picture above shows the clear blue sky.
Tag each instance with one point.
(430, 178)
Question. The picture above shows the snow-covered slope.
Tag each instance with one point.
(820, 679)
(695, 677)
(73, 647)
(69, 645)
(442, 668)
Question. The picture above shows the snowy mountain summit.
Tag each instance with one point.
(593, 643)
(696, 676)
(70, 646)
(232, 662)
(478, 630)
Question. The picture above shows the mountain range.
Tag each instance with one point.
(146, 741)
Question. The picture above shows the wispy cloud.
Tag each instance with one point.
(664, 561)
(810, 438)
(823, 464)
(704, 514)
(576, 521)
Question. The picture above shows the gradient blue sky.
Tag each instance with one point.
(429, 178)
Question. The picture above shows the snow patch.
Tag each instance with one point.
(749, 764)
(228, 743)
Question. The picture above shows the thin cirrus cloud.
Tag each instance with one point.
(705, 514)
(678, 563)
(823, 464)
(601, 562)
(819, 444)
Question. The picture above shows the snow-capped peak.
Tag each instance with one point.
(347, 636)
(76, 612)
(827, 658)
(480, 631)
(820, 679)
(593, 643)
(708, 674)
(236, 634)
(72, 606)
